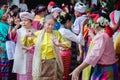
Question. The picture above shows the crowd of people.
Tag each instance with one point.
(52, 43)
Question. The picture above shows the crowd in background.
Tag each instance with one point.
(77, 42)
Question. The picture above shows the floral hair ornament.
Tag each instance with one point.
(97, 21)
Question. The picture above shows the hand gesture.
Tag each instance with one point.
(75, 74)
(17, 21)
(27, 49)
(11, 20)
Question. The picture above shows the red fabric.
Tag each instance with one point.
(117, 6)
(95, 17)
(112, 18)
(66, 58)
(109, 31)
(51, 3)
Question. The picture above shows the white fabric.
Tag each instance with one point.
(16, 2)
(77, 24)
(94, 2)
(20, 57)
(27, 15)
(80, 7)
(23, 7)
(116, 17)
(71, 36)
(10, 47)
(56, 9)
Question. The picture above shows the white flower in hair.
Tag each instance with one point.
(103, 21)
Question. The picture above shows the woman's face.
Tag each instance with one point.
(16, 10)
(26, 23)
(49, 25)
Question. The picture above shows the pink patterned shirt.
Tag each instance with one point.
(103, 51)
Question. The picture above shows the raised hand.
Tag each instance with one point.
(17, 21)
(11, 21)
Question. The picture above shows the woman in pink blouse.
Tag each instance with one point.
(102, 55)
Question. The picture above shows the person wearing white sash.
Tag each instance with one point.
(22, 60)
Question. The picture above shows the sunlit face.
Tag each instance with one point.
(26, 23)
(49, 25)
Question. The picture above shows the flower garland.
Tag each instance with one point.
(101, 21)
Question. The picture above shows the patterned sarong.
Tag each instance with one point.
(105, 73)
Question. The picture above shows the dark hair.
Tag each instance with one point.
(64, 18)
(13, 7)
(40, 8)
(3, 3)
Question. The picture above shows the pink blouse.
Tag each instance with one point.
(13, 38)
(103, 51)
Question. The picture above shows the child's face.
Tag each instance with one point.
(26, 23)
(49, 25)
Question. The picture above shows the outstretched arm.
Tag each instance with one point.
(76, 72)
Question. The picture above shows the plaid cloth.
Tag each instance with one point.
(105, 73)
(28, 75)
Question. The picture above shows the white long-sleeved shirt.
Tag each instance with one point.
(77, 24)
(23, 7)
(71, 36)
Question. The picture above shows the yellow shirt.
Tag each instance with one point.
(46, 49)
(117, 44)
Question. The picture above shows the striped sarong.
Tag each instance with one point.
(66, 58)
(105, 73)
(6, 70)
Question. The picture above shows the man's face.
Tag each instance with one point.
(77, 14)
(56, 14)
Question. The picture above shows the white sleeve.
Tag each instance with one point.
(76, 26)
(71, 36)
(26, 8)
